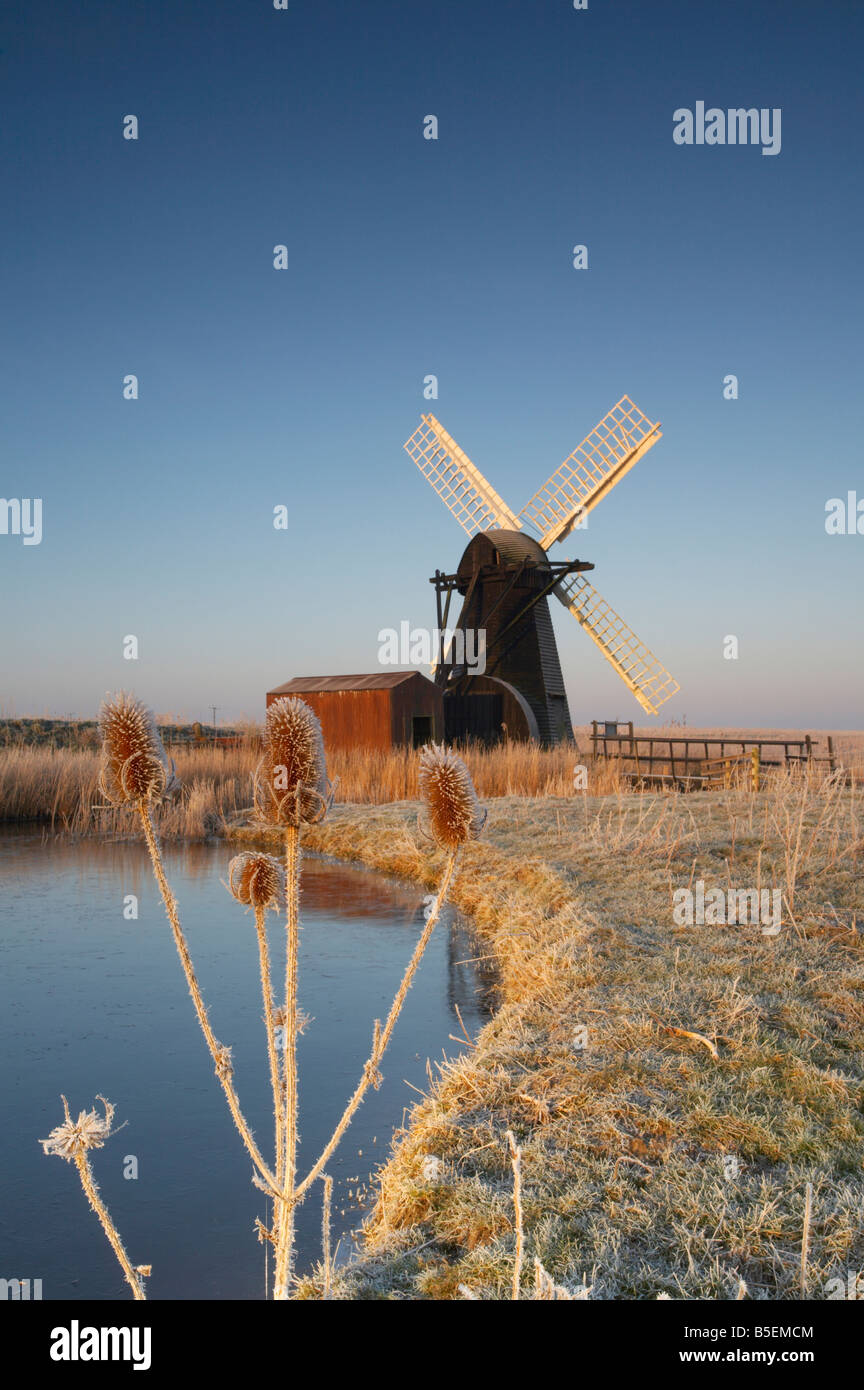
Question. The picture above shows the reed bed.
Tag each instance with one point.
(62, 786)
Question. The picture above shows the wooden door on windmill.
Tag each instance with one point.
(473, 718)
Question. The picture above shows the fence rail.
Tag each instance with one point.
(703, 763)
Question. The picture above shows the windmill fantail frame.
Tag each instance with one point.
(505, 577)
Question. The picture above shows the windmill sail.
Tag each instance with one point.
(462, 487)
(637, 666)
(591, 471)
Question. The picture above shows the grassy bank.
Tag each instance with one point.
(655, 1162)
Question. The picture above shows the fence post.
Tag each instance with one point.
(754, 770)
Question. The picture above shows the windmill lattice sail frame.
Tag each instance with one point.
(587, 475)
(642, 673)
(461, 487)
(595, 467)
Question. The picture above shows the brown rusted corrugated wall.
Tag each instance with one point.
(382, 718)
(351, 718)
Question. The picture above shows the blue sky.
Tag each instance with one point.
(408, 257)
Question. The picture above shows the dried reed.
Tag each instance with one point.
(516, 1162)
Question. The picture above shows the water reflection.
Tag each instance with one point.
(91, 1002)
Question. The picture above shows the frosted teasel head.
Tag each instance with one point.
(73, 1138)
(290, 784)
(455, 814)
(257, 880)
(135, 766)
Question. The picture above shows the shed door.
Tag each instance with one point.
(421, 730)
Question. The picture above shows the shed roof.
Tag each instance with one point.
(379, 680)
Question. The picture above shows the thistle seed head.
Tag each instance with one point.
(291, 779)
(75, 1137)
(257, 880)
(455, 814)
(135, 766)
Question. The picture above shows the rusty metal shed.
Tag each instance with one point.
(396, 709)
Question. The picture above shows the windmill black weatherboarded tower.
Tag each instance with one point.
(505, 577)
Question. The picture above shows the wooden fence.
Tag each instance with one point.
(697, 764)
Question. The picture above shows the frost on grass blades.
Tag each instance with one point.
(290, 790)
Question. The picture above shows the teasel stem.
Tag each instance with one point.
(273, 1056)
(267, 996)
(383, 1035)
(805, 1238)
(288, 1175)
(88, 1182)
(325, 1232)
(200, 1008)
(516, 1161)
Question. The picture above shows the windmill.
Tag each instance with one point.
(505, 577)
